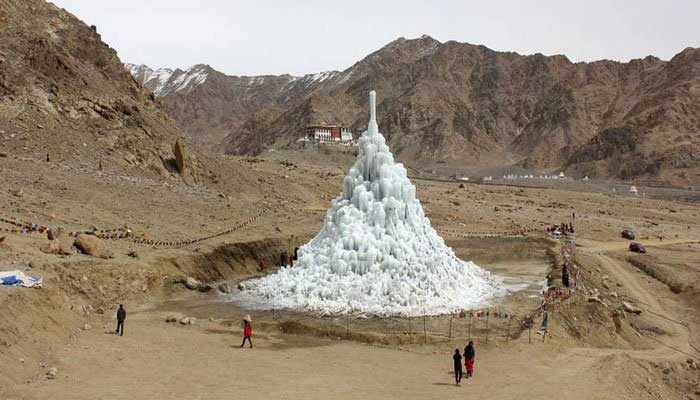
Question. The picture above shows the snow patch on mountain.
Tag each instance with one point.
(164, 81)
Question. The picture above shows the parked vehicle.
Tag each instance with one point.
(637, 248)
(627, 234)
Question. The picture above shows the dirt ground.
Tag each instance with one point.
(595, 351)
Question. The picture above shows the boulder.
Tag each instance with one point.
(193, 284)
(225, 288)
(181, 157)
(62, 246)
(185, 321)
(93, 246)
(630, 308)
(171, 318)
(52, 373)
(54, 233)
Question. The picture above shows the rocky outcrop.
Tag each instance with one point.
(181, 157)
(64, 92)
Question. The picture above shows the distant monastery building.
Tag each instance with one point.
(328, 133)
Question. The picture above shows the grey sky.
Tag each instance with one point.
(254, 37)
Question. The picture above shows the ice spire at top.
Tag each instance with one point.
(372, 127)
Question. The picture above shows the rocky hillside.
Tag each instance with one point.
(65, 97)
(456, 106)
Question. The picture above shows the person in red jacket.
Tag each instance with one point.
(261, 264)
(247, 331)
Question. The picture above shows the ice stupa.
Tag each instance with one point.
(376, 253)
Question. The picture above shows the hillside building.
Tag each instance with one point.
(328, 133)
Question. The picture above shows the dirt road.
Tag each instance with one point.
(160, 361)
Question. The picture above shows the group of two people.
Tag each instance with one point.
(469, 354)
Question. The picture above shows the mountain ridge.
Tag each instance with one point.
(456, 106)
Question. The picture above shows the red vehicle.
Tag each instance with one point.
(627, 234)
(637, 248)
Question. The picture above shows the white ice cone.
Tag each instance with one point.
(376, 252)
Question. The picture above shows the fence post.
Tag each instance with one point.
(508, 331)
(425, 331)
(347, 324)
(449, 335)
(487, 325)
(529, 334)
(469, 333)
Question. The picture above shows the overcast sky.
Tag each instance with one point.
(254, 37)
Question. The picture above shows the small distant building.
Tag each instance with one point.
(328, 133)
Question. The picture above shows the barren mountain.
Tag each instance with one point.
(65, 96)
(455, 106)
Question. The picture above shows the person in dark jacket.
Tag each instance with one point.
(296, 253)
(458, 366)
(121, 317)
(283, 259)
(469, 355)
(565, 276)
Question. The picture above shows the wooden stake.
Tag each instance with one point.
(529, 334)
(449, 335)
(487, 325)
(425, 331)
(469, 334)
(508, 332)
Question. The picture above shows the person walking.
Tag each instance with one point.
(247, 331)
(545, 322)
(458, 366)
(283, 259)
(261, 264)
(121, 317)
(565, 276)
(469, 355)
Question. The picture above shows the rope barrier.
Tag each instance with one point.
(459, 233)
(125, 233)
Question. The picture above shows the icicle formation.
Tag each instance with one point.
(376, 253)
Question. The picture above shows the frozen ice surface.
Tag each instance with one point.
(376, 253)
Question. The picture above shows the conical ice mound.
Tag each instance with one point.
(376, 253)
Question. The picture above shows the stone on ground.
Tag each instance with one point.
(93, 246)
